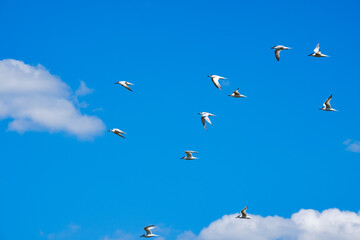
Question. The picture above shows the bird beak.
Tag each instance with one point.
(310, 54)
(115, 83)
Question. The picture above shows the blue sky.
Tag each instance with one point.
(273, 151)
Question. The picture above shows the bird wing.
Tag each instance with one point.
(277, 54)
(215, 80)
(207, 119)
(317, 49)
(243, 212)
(119, 134)
(203, 122)
(126, 86)
(148, 229)
(327, 102)
(191, 151)
(236, 92)
(129, 83)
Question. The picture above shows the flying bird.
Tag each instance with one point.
(125, 84)
(278, 48)
(117, 132)
(148, 234)
(327, 106)
(189, 155)
(205, 118)
(215, 79)
(236, 94)
(243, 214)
(317, 52)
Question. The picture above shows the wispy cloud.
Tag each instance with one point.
(36, 100)
(119, 235)
(161, 231)
(331, 224)
(82, 91)
(69, 231)
(352, 146)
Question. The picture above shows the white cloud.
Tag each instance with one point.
(119, 235)
(352, 146)
(69, 231)
(83, 90)
(36, 100)
(187, 235)
(331, 224)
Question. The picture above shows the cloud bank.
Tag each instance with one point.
(36, 100)
(331, 224)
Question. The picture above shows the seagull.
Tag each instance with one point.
(327, 106)
(215, 79)
(278, 48)
(243, 214)
(117, 132)
(125, 84)
(205, 116)
(149, 234)
(236, 94)
(189, 155)
(317, 52)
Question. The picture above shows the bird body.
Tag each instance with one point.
(189, 155)
(278, 48)
(125, 84)
(243, 214)
(317, 52)
(236, 94)
(117, 132)
(149, 234)
(327, 106)
(215, 79)
(205, 118)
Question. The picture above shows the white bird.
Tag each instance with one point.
(236, 94)
(189, 155)
(117, 132)
(327, 106)
(243, 214)
(215, 79)
(149, 234)
(125, 84)
(278, 48)
(317, 52)
(205, 116)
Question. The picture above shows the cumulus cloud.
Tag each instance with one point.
(36, 100)
(352, 146)
(331, 224)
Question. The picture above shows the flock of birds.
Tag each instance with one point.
(205, 118)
